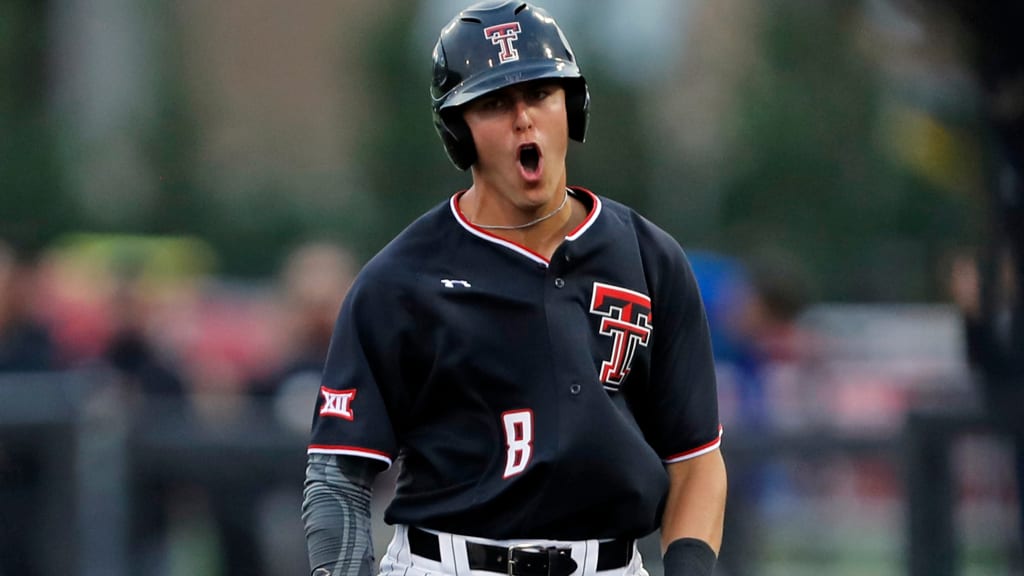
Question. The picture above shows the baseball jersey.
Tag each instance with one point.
(524, 398)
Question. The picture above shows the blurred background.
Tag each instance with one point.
(187, 189)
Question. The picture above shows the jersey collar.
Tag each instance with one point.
(583, 194)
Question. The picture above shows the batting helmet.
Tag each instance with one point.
(489, 46)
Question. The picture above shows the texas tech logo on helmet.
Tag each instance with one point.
(626, 317)
(503, 35)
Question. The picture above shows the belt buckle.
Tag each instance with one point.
(510, 568)
(548, 555)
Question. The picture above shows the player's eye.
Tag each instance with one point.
(493, 103)
(540, 92)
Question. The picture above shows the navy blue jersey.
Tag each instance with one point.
(524, 398)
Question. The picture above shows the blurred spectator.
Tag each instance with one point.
(994, 312)
(780, 353)
(990, 291)
(311, 285)
(228, 345)
(763, 355)
(780, 292)
(257, 524)
(726, 289)
(994, 340)
(993, 329)
(143, 369)
(766, 365)
(25, 343)
(143, 383)
(25, 346)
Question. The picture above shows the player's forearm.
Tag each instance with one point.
(336, 514)
(691, 528)
(696, 501)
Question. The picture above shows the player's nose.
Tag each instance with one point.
(523, 120)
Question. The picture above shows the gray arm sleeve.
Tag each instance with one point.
(336, 514)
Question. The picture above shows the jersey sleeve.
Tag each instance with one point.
(352, 415)
(680, 408)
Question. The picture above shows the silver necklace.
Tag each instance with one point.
(565, 200)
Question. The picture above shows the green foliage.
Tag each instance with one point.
(250, 233)
(181, 205)
(405, 163)
(810, 177)
(34, 202)
(615, 160)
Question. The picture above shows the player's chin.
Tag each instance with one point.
(538, 198)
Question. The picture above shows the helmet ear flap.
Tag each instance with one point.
(577, 107)
(456, 136)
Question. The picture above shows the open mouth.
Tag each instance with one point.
(529, 157)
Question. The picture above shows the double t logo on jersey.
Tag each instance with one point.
(626, 317)
(503, 35)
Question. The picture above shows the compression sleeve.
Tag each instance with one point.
(336, 514)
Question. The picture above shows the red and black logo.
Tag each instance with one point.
(626, 317)
(502, 35)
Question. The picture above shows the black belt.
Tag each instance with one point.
(523, 560)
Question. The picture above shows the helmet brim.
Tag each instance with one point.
(499, 78)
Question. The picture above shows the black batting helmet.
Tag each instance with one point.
(489, 46)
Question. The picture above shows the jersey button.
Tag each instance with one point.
(575, 389)
(559, 283)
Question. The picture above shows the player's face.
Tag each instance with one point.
(521, 136)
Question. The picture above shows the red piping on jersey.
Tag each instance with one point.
(595, 209)
(487, 235)
(334, 448)
(698, 450)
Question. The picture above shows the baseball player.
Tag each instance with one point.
(533, 356)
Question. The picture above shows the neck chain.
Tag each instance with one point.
(565, 200)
